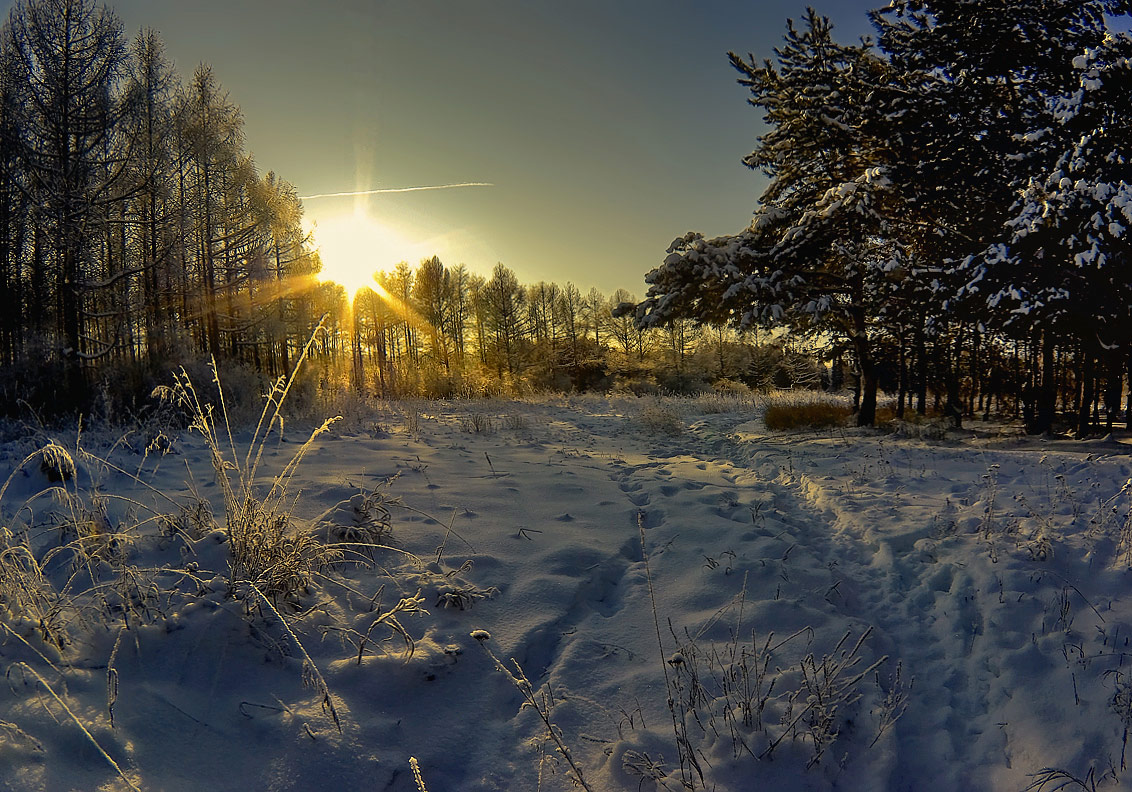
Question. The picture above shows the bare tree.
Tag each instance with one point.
(65, 60)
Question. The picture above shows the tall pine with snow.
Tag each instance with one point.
(817, 256)
(960, 189)
(977, 127)
(1064, 268)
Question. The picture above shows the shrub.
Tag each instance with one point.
(661, 419)
(805, 414)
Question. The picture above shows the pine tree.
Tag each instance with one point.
(970, 125)
(1069, 234)
(815, 258)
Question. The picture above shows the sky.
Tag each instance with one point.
(605, 129)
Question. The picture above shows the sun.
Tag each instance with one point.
(353, 247)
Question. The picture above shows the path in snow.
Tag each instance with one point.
(992, 576)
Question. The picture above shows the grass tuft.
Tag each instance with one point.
(661, 419)
(812, 413)
(266, 550)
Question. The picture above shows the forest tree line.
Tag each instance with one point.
(444, 331)
(135, 230)
(950, 201)
(137, 235)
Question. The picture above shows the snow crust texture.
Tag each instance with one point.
(844, 610)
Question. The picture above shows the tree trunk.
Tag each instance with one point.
(1088, 388)
(954, 406)
(1046, 401)
(903, 387)
(867, 410)
(922, 373)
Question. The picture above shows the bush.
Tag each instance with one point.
(808, 414)
(659, 418)
(682, 383)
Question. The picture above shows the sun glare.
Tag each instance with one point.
(354, 247)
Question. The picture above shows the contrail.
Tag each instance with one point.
(395, 190)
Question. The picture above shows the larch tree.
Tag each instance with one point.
(503, 300)
(432, 293)
(212, 132)
(151, 85)
(66, 60)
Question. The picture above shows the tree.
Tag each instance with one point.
(817, 256)
(212, 131)
(66, 59)
(1070, 231)
(569, 316)
(503, 300)
(150, 84)
(432, 292)
(289, 261)
(970, 123)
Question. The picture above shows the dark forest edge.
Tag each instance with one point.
(137, 237)
(930, 230)
(950, 201)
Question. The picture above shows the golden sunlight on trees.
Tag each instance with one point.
(137, 236)
(354, 247)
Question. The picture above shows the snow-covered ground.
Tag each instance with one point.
(841, 610)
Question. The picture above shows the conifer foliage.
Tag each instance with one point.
(954, 193)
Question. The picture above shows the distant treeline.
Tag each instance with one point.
(950, 202)
(442, 331)
(137, 235)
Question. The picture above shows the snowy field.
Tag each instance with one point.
(841, 610)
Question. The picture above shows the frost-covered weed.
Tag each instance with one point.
(1052, 779)
(1121, 704)
(266, 549)
(542, 701)
(804, 411)
(917, 428)
(365, 519)
(516, 422)
(660, 418)
(760, 694)
(477, 422)
(726, 398)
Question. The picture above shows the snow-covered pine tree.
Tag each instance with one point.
(971, 125)
(817, 256)
(1065, 269)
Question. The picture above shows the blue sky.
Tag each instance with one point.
(607, 128)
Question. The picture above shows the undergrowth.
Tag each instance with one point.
(77, 563)
(805, 413)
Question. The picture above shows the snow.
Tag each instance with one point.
(933, 615)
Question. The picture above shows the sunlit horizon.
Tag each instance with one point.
(353, 247)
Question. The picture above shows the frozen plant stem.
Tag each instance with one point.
(687, 756)
(417, 774)
(520, 681)
(311, 674)
(29, 670)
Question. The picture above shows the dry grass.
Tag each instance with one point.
(658, 418)
(81, 575)
(808, 412)
(267, 551)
